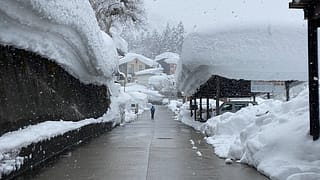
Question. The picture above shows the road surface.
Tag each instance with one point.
(146, 149)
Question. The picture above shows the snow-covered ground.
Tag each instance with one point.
(272, 137)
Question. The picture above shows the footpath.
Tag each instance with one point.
(146, 149)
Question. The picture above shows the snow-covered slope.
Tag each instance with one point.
(64, 31)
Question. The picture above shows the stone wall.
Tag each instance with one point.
(34, 89)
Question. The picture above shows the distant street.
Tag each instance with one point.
(146, 149)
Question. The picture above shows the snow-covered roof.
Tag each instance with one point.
(154, 71)
(133, 56)
(254, 47)
(169, 57)
(64, 31)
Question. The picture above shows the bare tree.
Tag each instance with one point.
(109, 12)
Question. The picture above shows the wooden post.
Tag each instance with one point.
(313, 78)
(195, 108)
(311, 12)
(268, 95)
(191, 114)
(208, 107)
(200, 108)
(217, 95)
(287, 86)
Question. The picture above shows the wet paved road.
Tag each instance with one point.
(146, 149)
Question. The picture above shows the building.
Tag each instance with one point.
(168, 62)
(132, 63)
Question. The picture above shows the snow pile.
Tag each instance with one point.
(133, 56)
(163, 83)
(143, 94)
(151, 71)
(272, 136)
(186, 118)
(175, 106)
(258, 45)
(169, 57)
(120, 43)
(64, 31)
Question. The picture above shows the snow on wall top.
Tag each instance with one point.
(64, 31)
(152, 71)
(256, 47)
(171, 58)
(133, 56)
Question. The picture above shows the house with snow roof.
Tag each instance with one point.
(132, 63)
(168, 62)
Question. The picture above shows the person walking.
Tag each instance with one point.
(153, 109)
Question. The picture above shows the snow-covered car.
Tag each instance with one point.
(234, 106)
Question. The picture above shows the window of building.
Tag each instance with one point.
(131, 69)
(141, 67)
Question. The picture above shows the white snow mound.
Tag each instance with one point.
(247, 42)
(64, 31)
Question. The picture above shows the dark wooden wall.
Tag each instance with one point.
(34, 89)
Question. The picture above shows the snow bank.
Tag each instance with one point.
(272, 136)
(64, 31)
(257, 45)
(151, 71)
(163, 83)
(12, 142)
(143, 93)
(185, 117)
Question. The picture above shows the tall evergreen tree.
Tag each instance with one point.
(154, 43)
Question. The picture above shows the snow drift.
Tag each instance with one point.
(64, 31)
